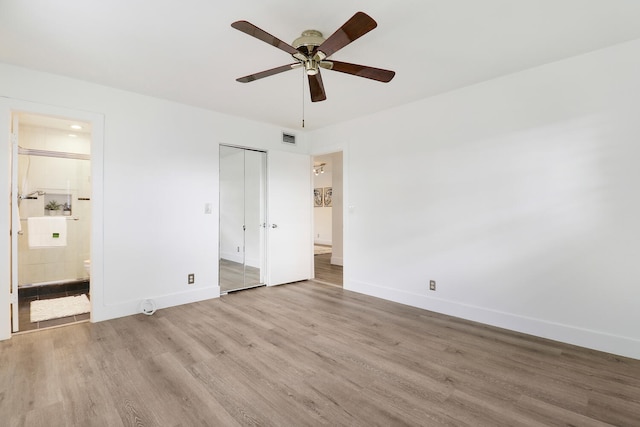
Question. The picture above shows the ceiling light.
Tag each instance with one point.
(73, 135)
(311, 67)
(318, 169)
(76, 127)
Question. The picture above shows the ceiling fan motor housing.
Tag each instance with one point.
(307, 44)
(308, 41)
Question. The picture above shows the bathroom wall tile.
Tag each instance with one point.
(23, 241)
(34, 274)
(71, 270)
(54, 271)
(50, 255)
(25, 276)
(34, 256)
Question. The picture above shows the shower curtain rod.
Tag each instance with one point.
(47, 153)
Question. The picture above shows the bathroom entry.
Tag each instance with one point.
(51, 217)
(242, 218)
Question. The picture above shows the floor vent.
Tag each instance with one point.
(288, 138)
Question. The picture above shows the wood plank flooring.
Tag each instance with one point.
(327, 272)
(307, 354)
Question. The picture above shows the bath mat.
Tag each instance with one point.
(55, 308)
(319, 250)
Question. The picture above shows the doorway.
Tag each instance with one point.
(328, 218)
(51, 216)
(242, 218)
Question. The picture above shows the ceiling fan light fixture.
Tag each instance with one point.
(311, 67)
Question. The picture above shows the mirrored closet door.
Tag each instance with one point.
(242, 218)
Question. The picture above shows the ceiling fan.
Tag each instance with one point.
(312, 51)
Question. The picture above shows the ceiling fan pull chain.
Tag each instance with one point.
(304, 75)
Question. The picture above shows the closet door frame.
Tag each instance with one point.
(248, 223)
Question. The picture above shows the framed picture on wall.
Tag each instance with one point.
(328, 193)
(317, 197)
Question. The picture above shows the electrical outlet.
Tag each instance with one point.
(432, 285)
(191, 279)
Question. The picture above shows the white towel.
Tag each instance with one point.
(47, 231)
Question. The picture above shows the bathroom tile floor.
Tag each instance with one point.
(26, 295)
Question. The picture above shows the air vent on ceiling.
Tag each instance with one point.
(288, 138)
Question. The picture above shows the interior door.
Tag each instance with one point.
(290, 221)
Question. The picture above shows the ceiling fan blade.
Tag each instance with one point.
(267, 73)
(248, 28)
(316, 87)
(356, 27)
(373, 73)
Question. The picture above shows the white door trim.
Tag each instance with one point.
(8, 106)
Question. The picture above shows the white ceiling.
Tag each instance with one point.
(186, 51)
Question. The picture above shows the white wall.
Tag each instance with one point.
(160, 168)
(518, 196)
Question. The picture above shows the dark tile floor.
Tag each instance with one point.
(26, 295)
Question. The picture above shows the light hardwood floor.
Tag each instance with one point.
(327, 272)
(307, 354)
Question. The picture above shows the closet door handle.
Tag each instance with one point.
(274, 225)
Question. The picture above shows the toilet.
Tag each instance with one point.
(87, 267)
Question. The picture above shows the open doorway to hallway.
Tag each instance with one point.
(327, 218)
